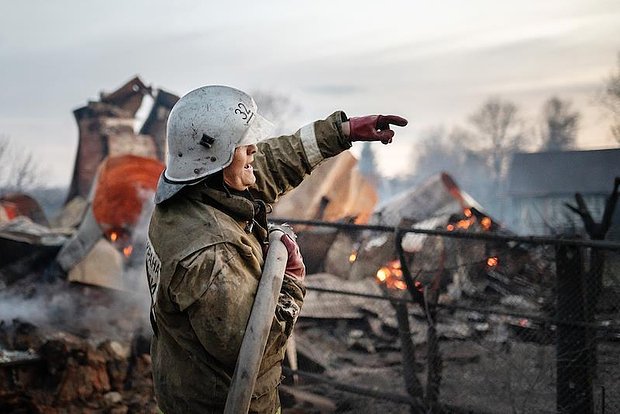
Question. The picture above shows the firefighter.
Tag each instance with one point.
(208, 237)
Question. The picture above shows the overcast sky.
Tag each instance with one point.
(432, 62)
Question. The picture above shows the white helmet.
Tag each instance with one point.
(204, 128)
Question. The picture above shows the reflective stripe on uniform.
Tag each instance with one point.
(308, 140)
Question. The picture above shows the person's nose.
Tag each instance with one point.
(252, 149)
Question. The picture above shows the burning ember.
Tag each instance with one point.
(470, 219)
(391, 276)
(353, 256)
(486, 223)
(524, 323)
(492, 261)
(120, 239)
(127, 250)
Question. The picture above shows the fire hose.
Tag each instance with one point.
(259, 324)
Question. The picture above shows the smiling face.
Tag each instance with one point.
(239, 175)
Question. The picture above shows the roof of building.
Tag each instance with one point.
(563, 172)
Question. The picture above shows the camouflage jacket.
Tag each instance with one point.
(204, 261)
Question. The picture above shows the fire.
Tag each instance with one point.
(465, 223)
(353, 257)
(524, 323)
(127, 250)
(392, 276)
(462, 224)
(492, 261)
(470, 219)
(486, 223)
(113, 236)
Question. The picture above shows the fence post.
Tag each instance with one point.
(574, 379)
(434, 362)
(414, 388)
(434, 359)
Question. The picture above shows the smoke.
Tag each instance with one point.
(90, 312)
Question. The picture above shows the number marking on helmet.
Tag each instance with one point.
(246, 114)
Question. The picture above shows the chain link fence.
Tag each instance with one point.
(457, 321)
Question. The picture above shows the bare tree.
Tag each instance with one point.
(18, 168)
(451, 152)
(437, 151)
(280, 109)
(610, 99)
(560, 125)
(498, 132)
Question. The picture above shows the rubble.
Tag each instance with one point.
(76, 339)
(27, 246)
(62, 373)
(15, 205)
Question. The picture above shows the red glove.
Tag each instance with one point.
(374, 127)
(295, 264)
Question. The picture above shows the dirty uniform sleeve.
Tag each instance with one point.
(217, 295)
(282, 163)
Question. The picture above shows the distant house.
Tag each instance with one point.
(540, 183)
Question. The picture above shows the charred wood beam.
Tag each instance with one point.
(155, 124)
(381, 395)
(322, 207)
(129, 96)
(12, 363)
(367, 392)
(597, 231)
(594, 279)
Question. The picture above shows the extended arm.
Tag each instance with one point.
(282, 163)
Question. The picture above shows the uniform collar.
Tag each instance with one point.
(238, 204)
(235, 204)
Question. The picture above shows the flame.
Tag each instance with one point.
(382, 274)
(127, 250)
(486, 223)
(353, 257)
(524, 323)
(392, 276)
(400, 285)
(492, 261)
(113, 236)
(465, 224)
(470, 219)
